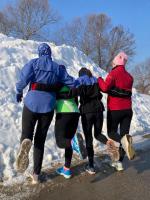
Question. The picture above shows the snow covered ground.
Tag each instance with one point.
(14, 53)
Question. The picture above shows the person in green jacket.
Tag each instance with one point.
(67, 117)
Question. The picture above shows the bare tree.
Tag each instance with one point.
(97, 38)
(30, 16)
(98, 27)
(5, 24)
(120, 40)
(141, 74)
(69, 33)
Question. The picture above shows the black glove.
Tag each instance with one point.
(19, 97)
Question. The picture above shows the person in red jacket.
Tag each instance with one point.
(119, 112)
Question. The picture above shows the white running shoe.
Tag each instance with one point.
(117, 165)
(126, 142)
(22, 160)
(35, 178)
(112, 150)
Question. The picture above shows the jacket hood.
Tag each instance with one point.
(44, 50)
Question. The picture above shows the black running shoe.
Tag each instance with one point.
(90, 170)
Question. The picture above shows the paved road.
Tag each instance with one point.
(107, 184)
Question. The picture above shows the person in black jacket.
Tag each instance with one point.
(91, 110)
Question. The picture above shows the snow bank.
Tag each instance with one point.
(14, 53)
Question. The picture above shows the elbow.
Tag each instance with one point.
(104, 89)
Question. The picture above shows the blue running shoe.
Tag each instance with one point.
(64, 172)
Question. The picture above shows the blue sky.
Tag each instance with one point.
(132, 14)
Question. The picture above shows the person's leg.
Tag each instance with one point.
(72, 124)
(68, 157)
(87, 123)
(44, 121)
(122, 153)
(126, 139)
(28, 124)
(61, 127)
(126, 122)
(98, 124)
(70, 130)
(65, 128)
(111, 149)
(113, 120)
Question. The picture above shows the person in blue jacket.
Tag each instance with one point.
(38, 106)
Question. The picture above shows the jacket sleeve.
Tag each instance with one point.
(73, 93)
(65, 78)
(26, 76)
(78, 82)
(107, 84)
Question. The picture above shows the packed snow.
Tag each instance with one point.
(14, 53)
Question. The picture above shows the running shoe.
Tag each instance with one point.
(126, 142)
(117, 165)
(90, 170)
(22, 160)
(64, 172)
(112, 150)
(34, 178)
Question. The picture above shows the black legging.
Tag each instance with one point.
(115, 119)
(65, 128)
(29, 120)
(88, 121)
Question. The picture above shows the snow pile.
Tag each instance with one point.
(14, 53)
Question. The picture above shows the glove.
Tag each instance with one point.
(19, 97)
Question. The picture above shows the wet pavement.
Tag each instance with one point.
(131, 184)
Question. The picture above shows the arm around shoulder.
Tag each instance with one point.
(106, 85)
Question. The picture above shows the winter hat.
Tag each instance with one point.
(120, 59)
(44, 50)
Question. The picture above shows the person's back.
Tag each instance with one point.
(42, 70)
(39, 106)
(90, 100)
(66, 105)
(119, 112)
(123, 80)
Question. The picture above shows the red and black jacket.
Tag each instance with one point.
(122, 80)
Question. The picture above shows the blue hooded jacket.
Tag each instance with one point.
(42, 70)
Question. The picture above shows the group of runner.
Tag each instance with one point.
(52, 88)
